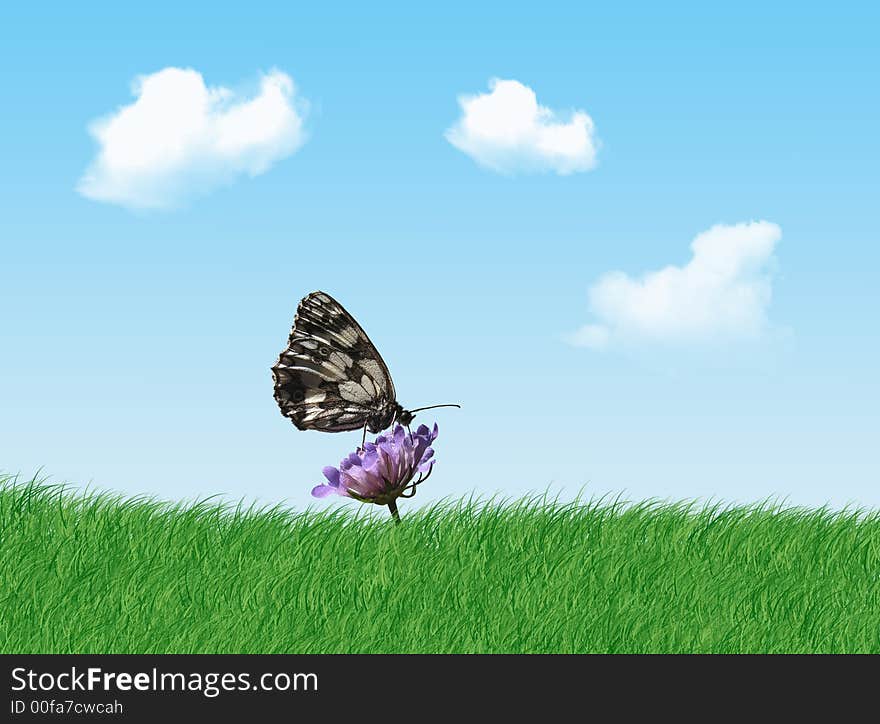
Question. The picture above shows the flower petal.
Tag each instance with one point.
(421, 444)
(383, 462)
(322, 491)
(332, 474)
(370, 459)
(365, 483)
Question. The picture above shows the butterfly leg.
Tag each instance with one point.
(364, 439)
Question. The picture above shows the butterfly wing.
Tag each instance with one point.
(330, 377)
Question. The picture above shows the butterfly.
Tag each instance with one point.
(331, 377)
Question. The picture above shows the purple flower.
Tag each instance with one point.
(382, 471)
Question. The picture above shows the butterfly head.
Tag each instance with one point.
(404, 417)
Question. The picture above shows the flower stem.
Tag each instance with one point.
(392, 506)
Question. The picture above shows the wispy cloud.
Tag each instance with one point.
(181, 138)
(722, 293)
(507, 131)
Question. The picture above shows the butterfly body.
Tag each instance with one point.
(331, 377)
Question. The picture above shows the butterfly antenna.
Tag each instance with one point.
(432, 407)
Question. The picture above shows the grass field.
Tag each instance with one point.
(104, 574)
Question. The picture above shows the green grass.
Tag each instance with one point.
(104, 574)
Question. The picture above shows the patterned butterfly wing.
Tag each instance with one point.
(331, 377)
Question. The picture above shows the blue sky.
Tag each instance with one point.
(136, 344)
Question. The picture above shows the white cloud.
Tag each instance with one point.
(507, 131)
(721, 293)
(180, 138)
